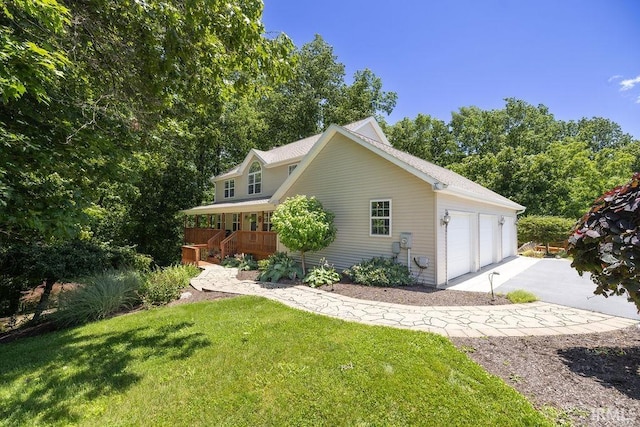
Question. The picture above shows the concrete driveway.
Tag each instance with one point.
(555, 281)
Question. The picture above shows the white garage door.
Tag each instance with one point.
(459, 245)
(487, 239)
(508, 237)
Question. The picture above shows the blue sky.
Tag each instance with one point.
(579, 58)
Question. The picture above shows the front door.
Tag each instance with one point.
(253, 221)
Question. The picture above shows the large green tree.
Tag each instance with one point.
(317, 96)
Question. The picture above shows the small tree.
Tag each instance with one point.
(544, 229)
(606, 242)
(303, 225)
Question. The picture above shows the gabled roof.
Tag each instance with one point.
(295, 151)
(442, 180)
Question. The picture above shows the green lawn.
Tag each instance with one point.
(248, 361)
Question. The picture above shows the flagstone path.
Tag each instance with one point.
(538, 318)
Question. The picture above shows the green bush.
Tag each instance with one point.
(163, 285)
(277, 266)
(544, 229)
(380, 272)
(521, 296)
(324, 274)
(242, 262)
(99, 296)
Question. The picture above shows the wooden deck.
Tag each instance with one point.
(208, 245)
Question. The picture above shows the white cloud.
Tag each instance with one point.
(616, 77)
(629, 83)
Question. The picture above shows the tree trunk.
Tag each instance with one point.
(547, 248)
(304, 267)
(44, 299)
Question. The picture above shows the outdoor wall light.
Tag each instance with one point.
(446, 219)
(501, 220)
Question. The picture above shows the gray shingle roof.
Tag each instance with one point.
(292, 151)
(440, 174)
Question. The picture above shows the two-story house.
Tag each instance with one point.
(386, 203)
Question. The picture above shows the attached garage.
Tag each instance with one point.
(487, 239)
(459, 248)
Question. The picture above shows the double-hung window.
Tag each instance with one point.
(255, 179)
(229, 188)
(380, 217)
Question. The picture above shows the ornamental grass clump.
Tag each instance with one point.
(98, 297)
(606, 242)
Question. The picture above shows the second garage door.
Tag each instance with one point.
(459, 253)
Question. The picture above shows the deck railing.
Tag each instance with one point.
(213, 244)
(199, 236)
(229, 246)
(191, 254)
(260, 244)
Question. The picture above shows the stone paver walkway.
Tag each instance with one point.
(538, 318)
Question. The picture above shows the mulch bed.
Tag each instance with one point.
(593, 379)
(415, 295)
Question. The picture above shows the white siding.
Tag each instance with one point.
(345, 177)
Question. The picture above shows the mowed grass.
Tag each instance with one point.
(248, 361)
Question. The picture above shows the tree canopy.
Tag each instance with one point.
(521, 151)
(303, 225)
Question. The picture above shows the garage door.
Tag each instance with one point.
(459, 251)
(508, 237)
(487, 239)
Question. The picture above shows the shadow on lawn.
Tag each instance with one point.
(615, 367)
(100, 365)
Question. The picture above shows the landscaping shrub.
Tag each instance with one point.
(324, 274)
(242, 262)
(606, 242)
(544, 229)
(99, 296)
(521, 296)
(277, 266)
(163, 285)
(380, 272)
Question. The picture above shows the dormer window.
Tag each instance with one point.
(255, 179)
(229, 188)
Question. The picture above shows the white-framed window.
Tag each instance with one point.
(218, 221)
(292, 168)
(266, 221)
(235, 222)
(255, 179)
(380, 217)
(229, 188)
